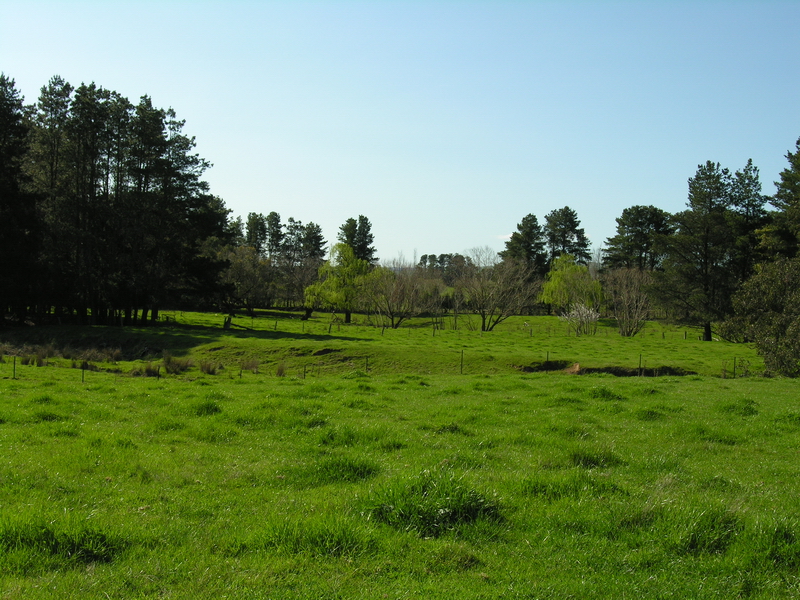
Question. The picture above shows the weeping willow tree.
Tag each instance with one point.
(571, 291)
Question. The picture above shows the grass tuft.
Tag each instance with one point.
(575, 484)
(175, 366)
(334, 536)
(452, 428)
(208, 367)
(592, 459)
(601, 392)
(26, 544)
(46, 416)
(742, 408)
(431, 504)
(355, 375)
(42, 399)
(207, 408)
(709, 532)
(341, 469)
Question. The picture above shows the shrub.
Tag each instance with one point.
(767, 311)
(582, 319)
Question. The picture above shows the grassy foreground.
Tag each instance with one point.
(375, 469)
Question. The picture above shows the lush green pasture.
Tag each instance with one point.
(321, 348)
(400, 478)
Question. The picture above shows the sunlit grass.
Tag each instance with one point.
(401, 477)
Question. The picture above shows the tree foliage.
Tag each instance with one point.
(527, 244)
(19, 227)
(342, 280)
(565, 236)
(767, 312)
(781, 237)
(636, 244)
(710, 253)
(568, 284)
(358, 235)
(256, 233)
(122, 213)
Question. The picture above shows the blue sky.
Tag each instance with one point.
(444, 123)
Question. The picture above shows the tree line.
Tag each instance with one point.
(106, 218)
(105, 215)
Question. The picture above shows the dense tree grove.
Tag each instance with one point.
(103, 207)
(105, 218)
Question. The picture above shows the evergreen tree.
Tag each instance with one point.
(275, 235)
(565, 236)
(19, 230)
(256, 232)
(358, 235)
(699, 277)
(126, 218)
(635, 246)
(527, 244)
(748, 217)
(782, 235)
(767, 312)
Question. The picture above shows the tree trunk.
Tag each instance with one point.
(347, 316)
(707, 332)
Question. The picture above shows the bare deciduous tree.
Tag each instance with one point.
(496, 289)
(398, 291)
(626, 292)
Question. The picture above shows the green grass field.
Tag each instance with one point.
(379, 465)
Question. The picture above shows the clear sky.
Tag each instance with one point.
(443, 122)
